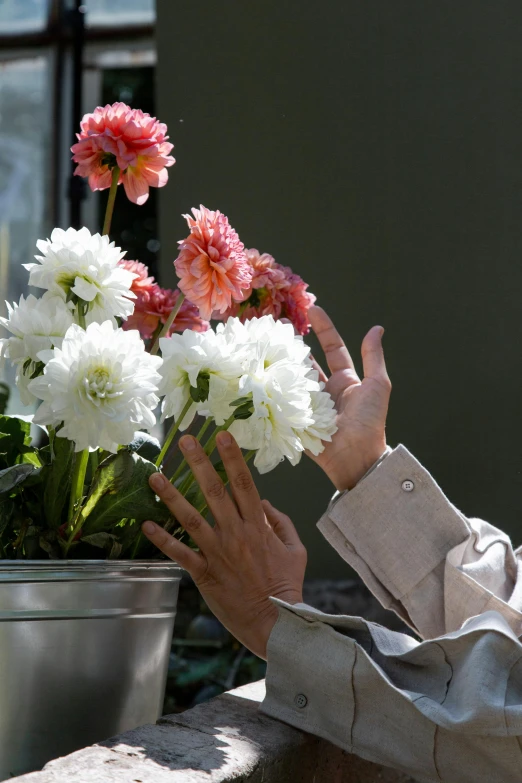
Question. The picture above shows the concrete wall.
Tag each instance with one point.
(225, 740)
(376, 147)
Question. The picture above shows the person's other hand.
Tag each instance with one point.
(252, 553)
(361, 405)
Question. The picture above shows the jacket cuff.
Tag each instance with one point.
(302, 694)
(396, 522)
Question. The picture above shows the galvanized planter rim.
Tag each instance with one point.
(67, 570)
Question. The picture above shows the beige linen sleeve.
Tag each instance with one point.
(445, 710)
(418, 554)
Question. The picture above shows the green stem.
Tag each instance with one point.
(80, 468)
(110, 201)
(248, 456)
(137, 543)
(168, 323)
(183, 464)
(81, 317)
(172, 432)
(94, 462)
(209, 447)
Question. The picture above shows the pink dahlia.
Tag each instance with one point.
(143, 284)
(265, 296)
(297, 301)
(274, 290)
(153, 309)
(128, 138)
(211, 265)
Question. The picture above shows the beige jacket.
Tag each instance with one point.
(448, 708)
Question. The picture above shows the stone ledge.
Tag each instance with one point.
(226, 739)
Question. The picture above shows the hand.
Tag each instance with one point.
(361, 405)
(252, 553)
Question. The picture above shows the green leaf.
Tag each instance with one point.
(57, 479)
(121, 490)
(13, 476)
(145, 445)
(100, 540)
(29, 457)
(15, 433)
(7, 513)
(5, 393)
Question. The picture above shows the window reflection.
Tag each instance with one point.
(23, 16)
(119, 12)
(25, 141)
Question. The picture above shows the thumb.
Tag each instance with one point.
(374, 365)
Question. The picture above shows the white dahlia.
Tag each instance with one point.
(281, 403)
(278, 340)
(324, 422)
(35, 325)
(201, 366)
(84, 267)
(101, 384)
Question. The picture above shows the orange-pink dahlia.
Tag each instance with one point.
(128, 138)
(212, 265)
(274, 290)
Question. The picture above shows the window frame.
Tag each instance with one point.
(66, 36)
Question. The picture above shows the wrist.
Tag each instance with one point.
(347, 476)
(265, 624)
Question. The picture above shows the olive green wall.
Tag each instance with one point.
(376, 147)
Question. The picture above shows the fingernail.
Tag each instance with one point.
(148, 527)
(157, 481)
(224, 439)
(188, 443)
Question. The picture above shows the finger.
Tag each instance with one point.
(282, 525)
(218, 499)
(315, 364)
(335, 351)
(373, 356)
(241, 481)
(187, 516)
(191, 561)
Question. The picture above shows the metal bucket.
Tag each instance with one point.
(84, 650)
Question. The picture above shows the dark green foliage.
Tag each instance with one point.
(35, 485)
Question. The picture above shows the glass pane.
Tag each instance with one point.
(25, 141)
(119, 12)
(23, 16)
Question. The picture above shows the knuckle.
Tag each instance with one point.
(385, 382)
(199, 458)
(332, 344)
(192, 522)
(244, 482)
(216, 490)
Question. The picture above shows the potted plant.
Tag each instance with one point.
(86, 608)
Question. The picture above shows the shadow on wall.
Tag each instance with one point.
(230, 740)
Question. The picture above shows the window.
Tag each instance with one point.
(107, 13)
(42, 99)
(23, 16)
